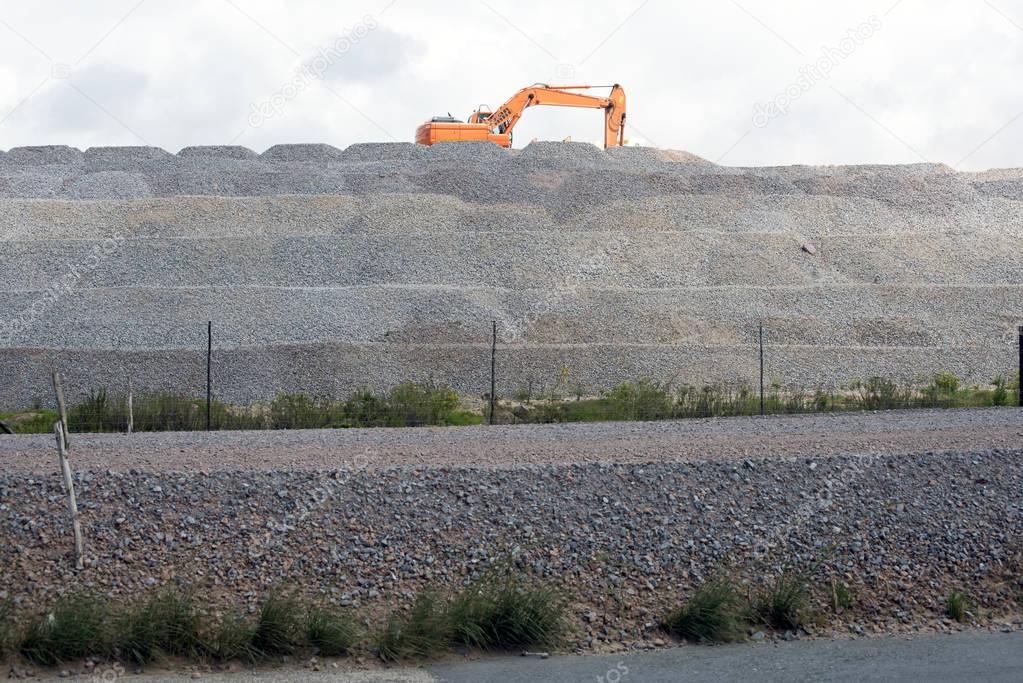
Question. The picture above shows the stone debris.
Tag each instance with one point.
(628, 540)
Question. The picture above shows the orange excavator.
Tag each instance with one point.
(496, 126)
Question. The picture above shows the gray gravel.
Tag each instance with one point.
(324, 269)
(627, 517)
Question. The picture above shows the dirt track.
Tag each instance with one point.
(626, 442)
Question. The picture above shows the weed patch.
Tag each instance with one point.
(279, 628)
(783, 604)
(424, 631)
(955, 605)
(75, 628)
(506, 615)
(167, 623)
(332, 632)
(715, 613)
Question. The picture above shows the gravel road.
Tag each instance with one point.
(914, 431)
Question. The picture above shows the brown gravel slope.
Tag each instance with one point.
(892, 433)
(627, 518)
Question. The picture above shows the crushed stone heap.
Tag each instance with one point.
(324, 270)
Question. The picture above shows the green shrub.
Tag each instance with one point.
(506, 615)
(946, 382)
(415, 405)
(879, 393)
(424, 631)
(644, 400)
(98, 413)
(75, 628)
(331, 631)
(233, 639)
(300, 411)
(1000, 396)
(279, 628)
(955, 605)
(365, 409)
(783, 603)
(35, 421)
(167, 623)
(714, 614)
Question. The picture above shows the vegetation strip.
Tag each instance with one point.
(428, 404)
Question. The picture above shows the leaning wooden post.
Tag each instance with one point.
(69, 486)
(493, 372)
(209, 375)
(1020, 375)
(131, 409)
(761, 368)
(58, 389)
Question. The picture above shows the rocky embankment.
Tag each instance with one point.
(625, 540)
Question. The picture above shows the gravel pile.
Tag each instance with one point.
(387, 261)
(627, 539)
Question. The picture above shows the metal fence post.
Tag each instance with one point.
(209, 374)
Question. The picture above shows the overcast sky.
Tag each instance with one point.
(742, 83)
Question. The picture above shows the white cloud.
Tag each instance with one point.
(938, 78)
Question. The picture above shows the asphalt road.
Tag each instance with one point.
(934, 658)
(969, 656)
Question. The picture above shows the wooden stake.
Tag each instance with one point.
(69, 487)
(131, 409)
(58, 389)
(761, 368)
(493, 372)
(209, 374)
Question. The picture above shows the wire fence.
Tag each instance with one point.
(116, 405)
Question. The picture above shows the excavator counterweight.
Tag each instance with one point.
(496, 126)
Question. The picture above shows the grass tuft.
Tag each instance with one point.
(842, 597)
(955, 605)
(714, 614)
(506, 615)
(332, 632)
(167, 623)
(424, 631)
(279, 628)
(783, 604)
(233, 639)
(75, 628)
(6, 627)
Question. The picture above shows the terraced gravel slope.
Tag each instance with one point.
(327, 269)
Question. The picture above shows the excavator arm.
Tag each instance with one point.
(503, 119)
(497, 126)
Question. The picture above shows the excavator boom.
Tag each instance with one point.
(497, 126)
